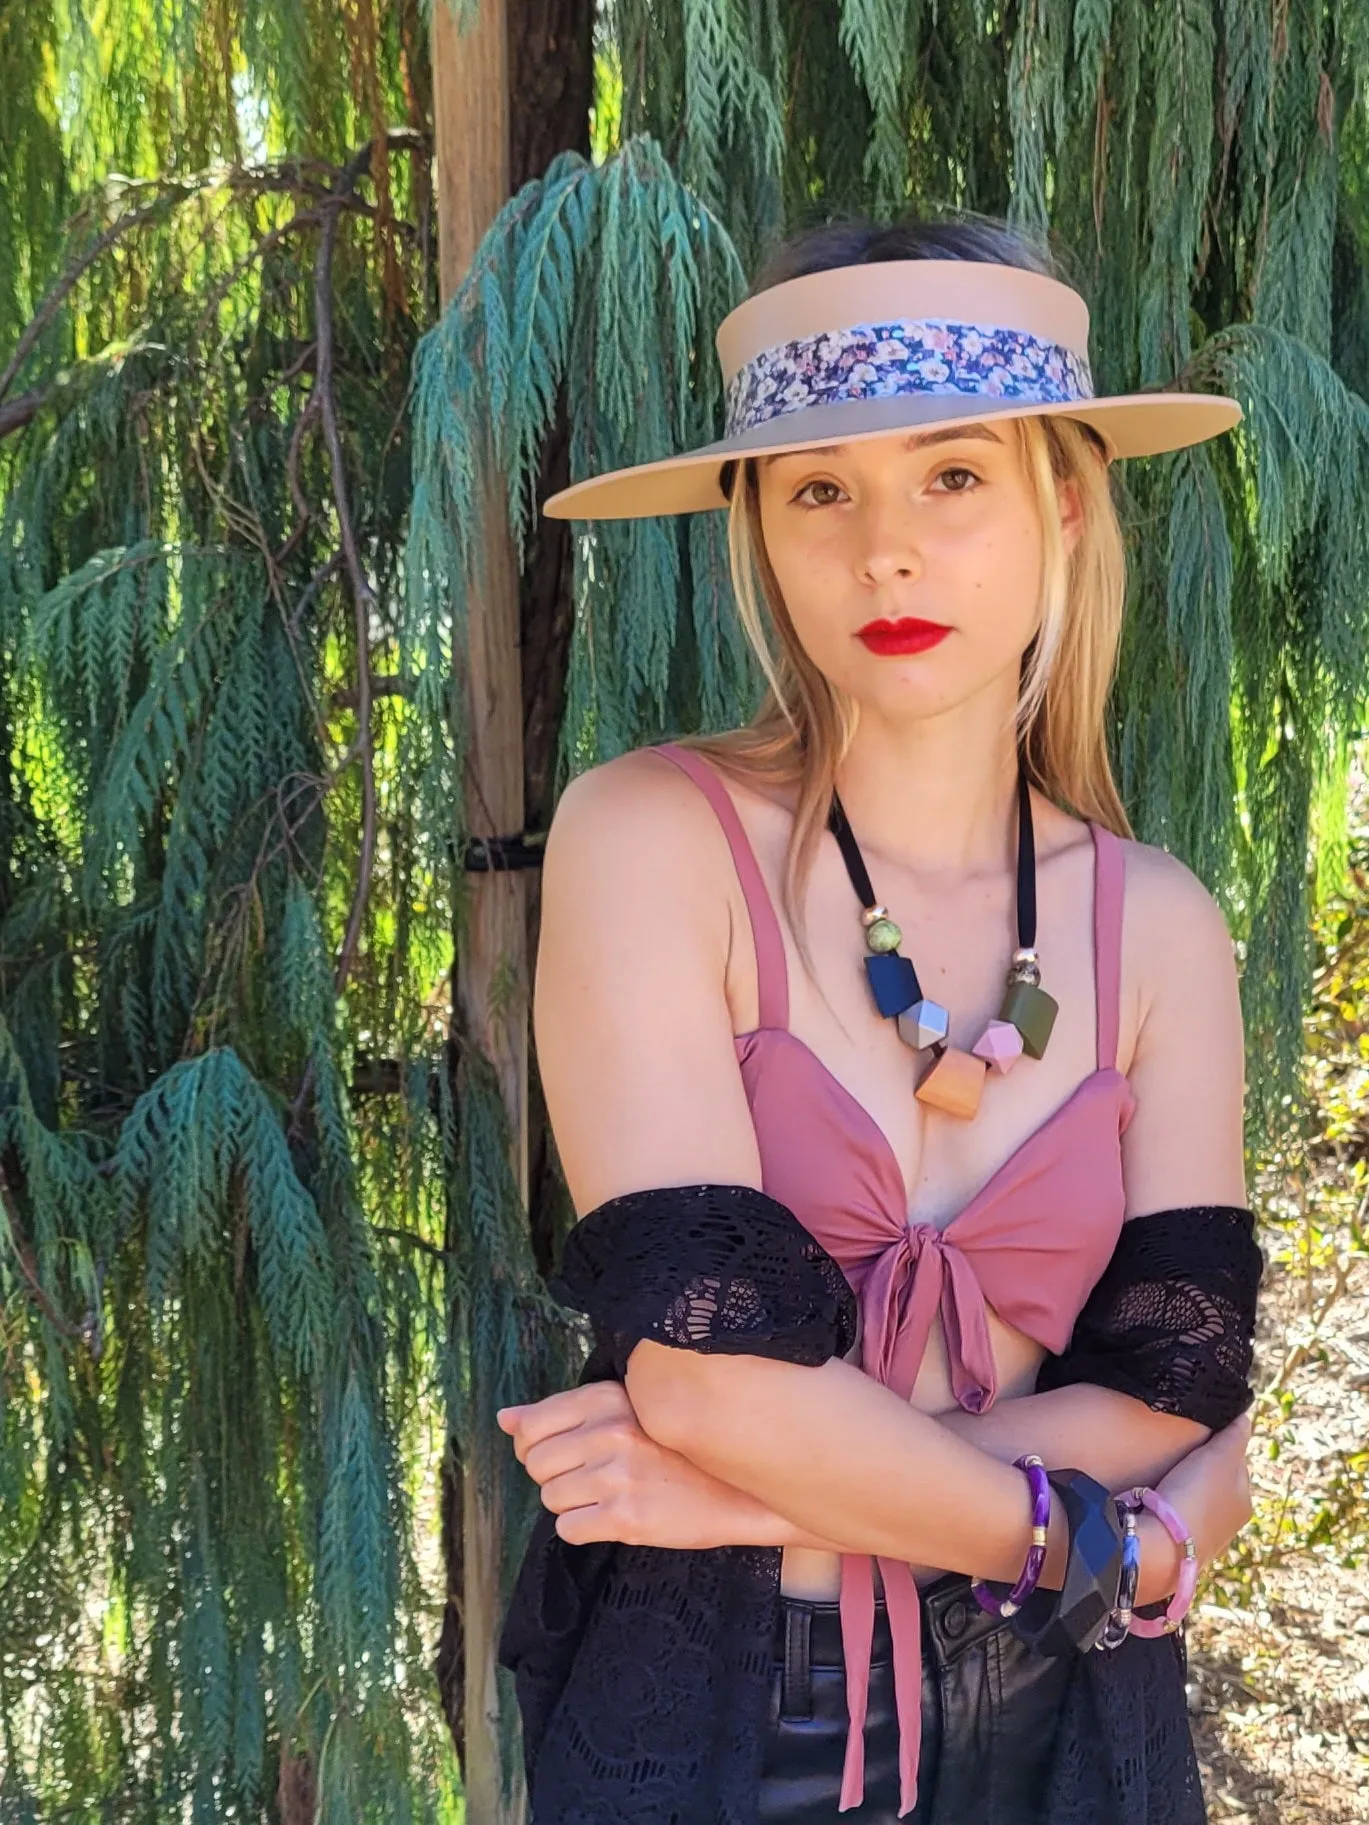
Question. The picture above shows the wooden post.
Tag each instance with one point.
(471, 121)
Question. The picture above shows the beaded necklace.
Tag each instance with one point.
(1027, 1013)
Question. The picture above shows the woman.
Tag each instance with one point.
(857, 1243)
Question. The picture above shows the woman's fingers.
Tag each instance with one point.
(585, 1526)
(1235, 1437)
(575, 1488)
(541, 1419)
(561, 1452)
(1210, 1488)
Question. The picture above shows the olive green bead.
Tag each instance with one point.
(1032, 1011)
(883, 935)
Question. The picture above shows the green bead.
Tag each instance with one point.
(1032, 1011)
(883, 935)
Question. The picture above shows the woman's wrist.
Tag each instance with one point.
(780, 1532)
(747, 1521)
(1160, 1561)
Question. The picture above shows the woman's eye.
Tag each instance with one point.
(827, 502)
(957, 481)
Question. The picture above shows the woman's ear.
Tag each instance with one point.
(1071, 503)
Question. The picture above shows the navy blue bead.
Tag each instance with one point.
(894, 982)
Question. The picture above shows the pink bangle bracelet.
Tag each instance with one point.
(1181, 1601)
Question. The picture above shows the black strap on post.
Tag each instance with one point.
(500, 854)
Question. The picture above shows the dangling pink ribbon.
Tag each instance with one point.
(911, 1280)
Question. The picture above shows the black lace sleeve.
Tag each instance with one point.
(1172, 1320)
(721, 1269)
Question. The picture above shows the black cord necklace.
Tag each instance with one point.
(956, 1079)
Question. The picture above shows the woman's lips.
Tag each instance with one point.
(907, 636)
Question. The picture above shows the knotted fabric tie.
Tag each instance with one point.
(916, 1276)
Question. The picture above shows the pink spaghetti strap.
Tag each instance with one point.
(1109, 882)
(772, 976)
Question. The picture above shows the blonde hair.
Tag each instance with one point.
(804, 725)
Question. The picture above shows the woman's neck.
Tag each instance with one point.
(936, 795)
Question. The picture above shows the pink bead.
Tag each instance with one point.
(1182, 1600)
(1000, 1046)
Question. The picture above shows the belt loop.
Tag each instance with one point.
(796, 1683)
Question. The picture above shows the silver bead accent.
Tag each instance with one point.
(925, 1023)
(1025, 966)
(872, 913)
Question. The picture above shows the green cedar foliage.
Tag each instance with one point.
(224, 1274)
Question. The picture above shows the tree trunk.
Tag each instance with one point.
(508, 94)
(471, 131)
(551, 62)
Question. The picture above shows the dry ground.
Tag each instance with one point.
(1279, 1647)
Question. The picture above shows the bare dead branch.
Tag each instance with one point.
(23, 410)
(407, 1236)
(382, 685)
(312, 590)
(363, 595)
(311, 177)
(85, 1333)
(55, 299)
(303, 507)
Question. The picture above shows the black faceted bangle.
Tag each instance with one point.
(1119, 1623)
(1071, 1619)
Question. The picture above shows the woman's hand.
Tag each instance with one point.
(1210, 1491)
(1210, 1488)
(604, 1479)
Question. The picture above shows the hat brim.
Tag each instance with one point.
(1130, 424)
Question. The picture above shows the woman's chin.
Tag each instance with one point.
(915, 694)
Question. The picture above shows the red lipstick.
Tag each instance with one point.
(909, 635)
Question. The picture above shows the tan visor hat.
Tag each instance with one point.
(860, 351)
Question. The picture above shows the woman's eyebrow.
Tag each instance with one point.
(917, 442)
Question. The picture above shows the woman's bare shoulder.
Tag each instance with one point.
(638, 804)
(1171, 917)
(1184, 1145)
(1178, 959)
(635, 857)
(630, 1015)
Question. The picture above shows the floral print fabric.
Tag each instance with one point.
(879, 360)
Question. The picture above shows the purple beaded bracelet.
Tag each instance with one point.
(1035, 1469)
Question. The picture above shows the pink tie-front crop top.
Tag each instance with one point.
(1031, 1243)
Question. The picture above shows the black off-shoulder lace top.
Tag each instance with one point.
(642, 1673)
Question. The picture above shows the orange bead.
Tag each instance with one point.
(954, 1084)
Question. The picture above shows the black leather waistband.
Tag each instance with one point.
(951, 1622)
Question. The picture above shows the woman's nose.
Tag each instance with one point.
(889, 552)
(888, 544)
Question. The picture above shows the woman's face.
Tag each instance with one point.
(911, 564)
